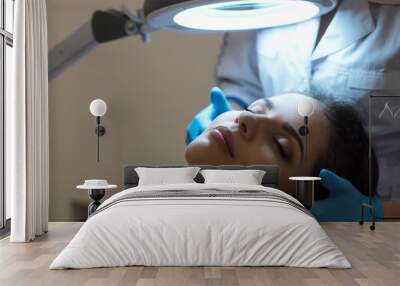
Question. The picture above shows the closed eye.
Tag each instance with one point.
(280, 148)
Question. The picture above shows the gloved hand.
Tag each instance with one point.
(202, 120)
(344, 201)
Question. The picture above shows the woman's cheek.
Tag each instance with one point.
(264, 154)
(225, 119)
(255, 153)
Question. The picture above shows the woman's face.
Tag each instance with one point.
(267, 134)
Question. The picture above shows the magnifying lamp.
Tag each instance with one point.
(230, 15)
(178, 16)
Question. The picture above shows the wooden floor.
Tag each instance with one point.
(375, 257)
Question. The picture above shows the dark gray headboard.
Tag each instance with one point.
(270, 179)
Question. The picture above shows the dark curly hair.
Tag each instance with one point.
(348, 150)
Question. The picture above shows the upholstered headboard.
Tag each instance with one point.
(270, 178)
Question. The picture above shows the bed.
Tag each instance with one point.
(198, 224)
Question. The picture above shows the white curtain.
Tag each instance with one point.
(27, 139)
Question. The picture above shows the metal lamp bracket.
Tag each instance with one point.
(303, 130)
(100, 130)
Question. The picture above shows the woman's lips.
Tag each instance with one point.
(224, 136)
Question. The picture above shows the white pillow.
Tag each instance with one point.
(162, 176)
(248, 177)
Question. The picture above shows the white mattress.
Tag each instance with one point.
(202, 231)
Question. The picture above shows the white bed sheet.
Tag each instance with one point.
(200, 232)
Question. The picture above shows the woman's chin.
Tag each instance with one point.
(204, 159)
(202, 152)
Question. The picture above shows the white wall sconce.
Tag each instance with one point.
(305, 109)
(98, 108)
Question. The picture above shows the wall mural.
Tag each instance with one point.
(296, 96)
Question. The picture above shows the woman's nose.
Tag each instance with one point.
(247, 125)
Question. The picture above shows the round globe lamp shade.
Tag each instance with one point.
(230, 15)
(98, 107)
(305, 108)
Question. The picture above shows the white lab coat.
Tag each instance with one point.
(358, 55)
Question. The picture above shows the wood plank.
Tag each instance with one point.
(375, 257)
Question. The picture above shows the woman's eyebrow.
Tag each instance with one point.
(289, 129)
(268, 102)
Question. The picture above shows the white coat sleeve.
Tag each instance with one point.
(237, 69)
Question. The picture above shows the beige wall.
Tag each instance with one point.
(151, 90)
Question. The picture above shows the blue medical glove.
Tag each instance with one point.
(344, 201)
(202, 120)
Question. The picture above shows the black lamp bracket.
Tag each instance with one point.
(100, 130)
(303, 130)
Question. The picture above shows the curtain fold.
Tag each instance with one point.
(27, 137)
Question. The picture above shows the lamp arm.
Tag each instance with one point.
(104, 26)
